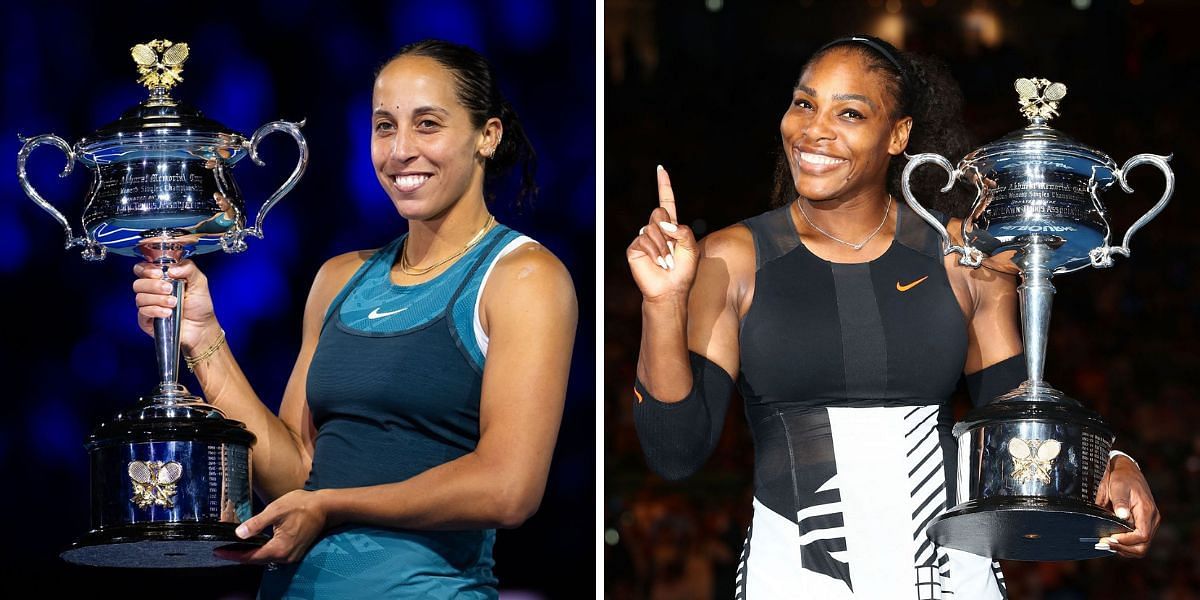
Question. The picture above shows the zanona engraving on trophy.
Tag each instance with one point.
(1037, 228)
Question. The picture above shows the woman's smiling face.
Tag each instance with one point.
(426, 152)
(839, 133)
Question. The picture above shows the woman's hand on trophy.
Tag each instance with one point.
(155, 300)
(664, 255)
(299, 517)
(1125, 490)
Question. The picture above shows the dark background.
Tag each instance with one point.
(73, 354)
(700, 87)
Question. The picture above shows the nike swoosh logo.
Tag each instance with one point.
(375, 314)
(909, 286)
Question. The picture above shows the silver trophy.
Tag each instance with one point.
(170, 479)
(1030, 462)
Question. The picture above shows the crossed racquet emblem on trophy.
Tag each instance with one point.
(154, 482)
(1033, 459)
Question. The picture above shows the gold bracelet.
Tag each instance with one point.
(192, 361)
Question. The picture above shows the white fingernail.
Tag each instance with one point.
(1108, 540)
(642, 230)
(242, 532)
(668, 226)
(1102, 546)
(671, 246)
(659, 169)
(670, 262)
(1123, 512)
(662, 263)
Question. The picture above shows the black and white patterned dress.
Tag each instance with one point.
(847, 370)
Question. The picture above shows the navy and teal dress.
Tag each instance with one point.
(394, 388)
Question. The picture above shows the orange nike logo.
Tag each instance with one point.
(639, 396)
(909, 286)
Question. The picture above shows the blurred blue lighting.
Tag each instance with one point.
(526, 24)
(107, 105)
(94, 361)
(247, 287)
(281, 241)
(114, 312)
(583, 204)
(240, 95)
(454, 21)
(55, 432)
(14, 244)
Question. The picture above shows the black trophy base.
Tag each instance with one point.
(1016, 528)
(159, 546)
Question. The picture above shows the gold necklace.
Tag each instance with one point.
(408, 269)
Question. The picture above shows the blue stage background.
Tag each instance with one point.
(73, 354)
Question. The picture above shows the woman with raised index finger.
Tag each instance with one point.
(845, 330)
(424, 405)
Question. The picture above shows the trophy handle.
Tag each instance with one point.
(92, 250)
(1102, 256)
(971, 257)
(292, 129)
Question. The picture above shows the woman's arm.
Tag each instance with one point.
(678, 435)
(529, 311)
(704, 321)
(282, 452)
(994, 319)
(688, 358)
(693, 304)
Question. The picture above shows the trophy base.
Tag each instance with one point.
(1022, 528)
(159, 546)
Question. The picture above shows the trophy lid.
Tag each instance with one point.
(160, 126)
(1039, 99)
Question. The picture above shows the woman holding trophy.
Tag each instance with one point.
(424, 405)
(846, 331)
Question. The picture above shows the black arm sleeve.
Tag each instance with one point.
(678, 437)
(1000, 378)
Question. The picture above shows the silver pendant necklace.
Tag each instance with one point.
(858, 246)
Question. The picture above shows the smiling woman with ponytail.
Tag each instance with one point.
(846, 331)
(425, 402)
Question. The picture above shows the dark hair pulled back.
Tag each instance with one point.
(478, 91)
(925, 91)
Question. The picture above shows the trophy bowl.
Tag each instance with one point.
(1030, 462)
(170, 478)
(162, 178)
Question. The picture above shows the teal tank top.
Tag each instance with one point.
(394, 388)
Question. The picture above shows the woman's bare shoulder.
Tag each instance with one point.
(727, 261)
(333, 275)
(734, 242)
(338, 269)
